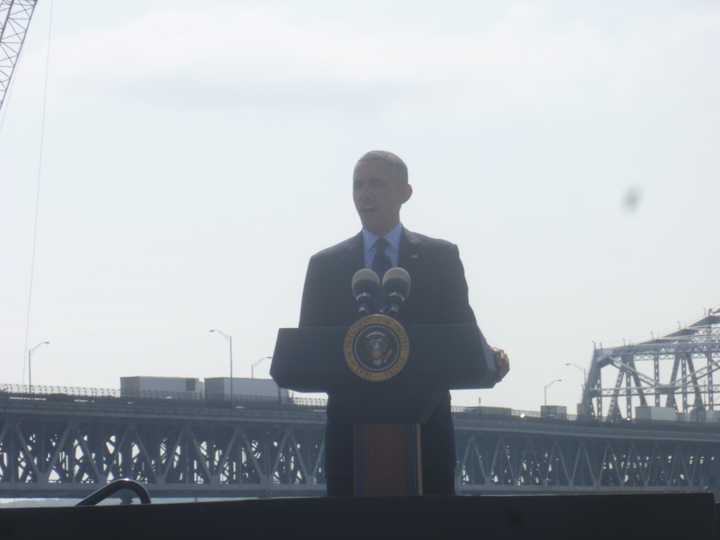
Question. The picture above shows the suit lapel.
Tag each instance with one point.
(410, 252)
(354, 255)
(411, 259)
(410, 256)
(349, 261)
(353, 258)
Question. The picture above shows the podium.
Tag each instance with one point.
(389, 378)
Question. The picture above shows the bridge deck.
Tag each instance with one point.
(67, 446)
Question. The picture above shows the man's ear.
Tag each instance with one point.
(408, 193)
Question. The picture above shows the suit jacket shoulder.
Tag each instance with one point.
(439, 288)
(352, 244)
(440, 292)
(327, 299)
(422, 241)
(425, 239)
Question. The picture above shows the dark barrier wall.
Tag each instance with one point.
(615, 517)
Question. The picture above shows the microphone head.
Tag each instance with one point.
(365, 280)
(397, 280)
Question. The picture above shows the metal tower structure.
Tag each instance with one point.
(15, 16)
(674, 371)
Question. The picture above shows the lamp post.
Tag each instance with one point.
(30, 352)
(257, 362)
(548, 385)
(584, 372)
(229, 340)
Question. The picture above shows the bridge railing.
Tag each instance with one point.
(92, 392)
(73, 392)
(59, 392)
(44, 390)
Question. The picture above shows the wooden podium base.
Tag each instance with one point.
(388, 460)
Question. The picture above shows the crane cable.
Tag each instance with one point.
(37, 192)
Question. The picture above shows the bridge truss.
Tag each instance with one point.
(15, 17)
(58, 446)
(666, 372)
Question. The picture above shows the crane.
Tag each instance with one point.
(15, 16)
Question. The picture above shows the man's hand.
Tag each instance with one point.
(502, 362)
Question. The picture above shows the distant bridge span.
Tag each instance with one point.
(68, 446)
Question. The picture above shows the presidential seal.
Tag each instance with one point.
(376, 348)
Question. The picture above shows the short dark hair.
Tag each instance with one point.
(394, 160)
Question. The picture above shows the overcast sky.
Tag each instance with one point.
(197, 154)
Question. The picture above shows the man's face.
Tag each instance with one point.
(378, 194)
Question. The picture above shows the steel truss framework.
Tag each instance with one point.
(15, 16)
(175, 458)
(664, 372)
(68, 450)
(523, 462)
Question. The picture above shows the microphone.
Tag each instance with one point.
(396, 284)
(365, 289)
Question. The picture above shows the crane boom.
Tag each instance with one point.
(15, 16)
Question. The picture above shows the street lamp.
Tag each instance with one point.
(30, 352)
(229, 340)
(584, 371)
(257, 362)
(548, 385)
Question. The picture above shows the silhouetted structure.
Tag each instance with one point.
(682, 364)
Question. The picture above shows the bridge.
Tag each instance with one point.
(667, 371)
(67, 442)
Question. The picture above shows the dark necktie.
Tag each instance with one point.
(381, 263)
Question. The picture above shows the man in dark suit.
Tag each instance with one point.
(439, 296)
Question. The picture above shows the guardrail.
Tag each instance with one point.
(50, 392)
(81, 392)
(42, 390)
